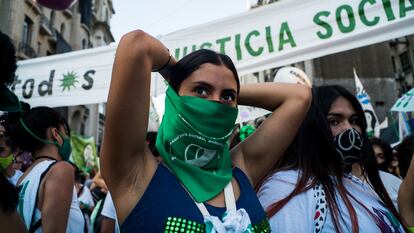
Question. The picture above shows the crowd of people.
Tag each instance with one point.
(308, 166)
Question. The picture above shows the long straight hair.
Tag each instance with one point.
(314, 154)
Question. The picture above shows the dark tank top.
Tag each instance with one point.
(167, 207)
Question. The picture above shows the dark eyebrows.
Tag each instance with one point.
(230, 91)
(335, 114)
(202, 83)
(211, 87)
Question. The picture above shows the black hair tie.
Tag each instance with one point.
(165, 65)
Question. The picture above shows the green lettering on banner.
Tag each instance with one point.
(404, 8)
(206, 45)
(388, 10)
(177, 53)
(317, 19)
(238, 47)
(193, 48)
(361, 11)
(248, 45)
(269, 39)
(222, 43)
(185, 51)
(284, 29)
(350, 13)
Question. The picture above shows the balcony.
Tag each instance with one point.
(26, 50)
(45, 26)
(33, 5)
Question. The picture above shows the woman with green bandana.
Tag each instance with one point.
(47, 195)
(200, 185)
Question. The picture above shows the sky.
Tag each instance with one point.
(160, 17)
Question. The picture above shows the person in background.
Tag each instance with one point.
(86, 202)
(405, 152)
(151, 138)
(47, 198)
(384, 156)
(10, 220)
(383, 153)
(327, 180)
(109, 223)
(98, 187)
(7, 159)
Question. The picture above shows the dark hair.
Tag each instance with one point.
(405, 152)
(79, 177)
(7, 60)
(38, 120)
(8, 196)
(194, 60)
(313, 153)
(151, 137)
(386, 149)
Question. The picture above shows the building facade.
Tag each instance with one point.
(39, 31)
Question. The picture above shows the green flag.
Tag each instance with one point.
(84, 153)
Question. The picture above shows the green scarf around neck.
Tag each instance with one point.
(193, 142)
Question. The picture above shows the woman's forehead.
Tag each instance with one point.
(214, 75)
(341, 106)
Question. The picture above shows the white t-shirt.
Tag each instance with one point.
(298, 214)
(392, 185)
(27, 201)
(15, 177)
(86, 197)
(108, 210)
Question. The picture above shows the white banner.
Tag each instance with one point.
(271, 36)
(74, 78)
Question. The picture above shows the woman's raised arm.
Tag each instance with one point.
(257, 154)
(127, 163)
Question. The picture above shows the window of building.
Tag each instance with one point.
(62, 29)
(39, 46)
(27, 30)
(405, 62)
(84, 46)
(393, 64)
(107, 16)
(52, 17)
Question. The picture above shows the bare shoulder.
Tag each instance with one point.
(61, 171)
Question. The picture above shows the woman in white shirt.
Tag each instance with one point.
(328, 179)
(47, 196)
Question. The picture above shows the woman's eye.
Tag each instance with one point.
(200, 91)
(333, 122)
(354, 121)
(228, 97)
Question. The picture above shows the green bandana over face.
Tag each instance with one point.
(8, 100)
(193, 142)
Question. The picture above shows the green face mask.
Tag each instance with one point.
(193, 142)
(6, 161)
(8, 100)
(64, 150)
